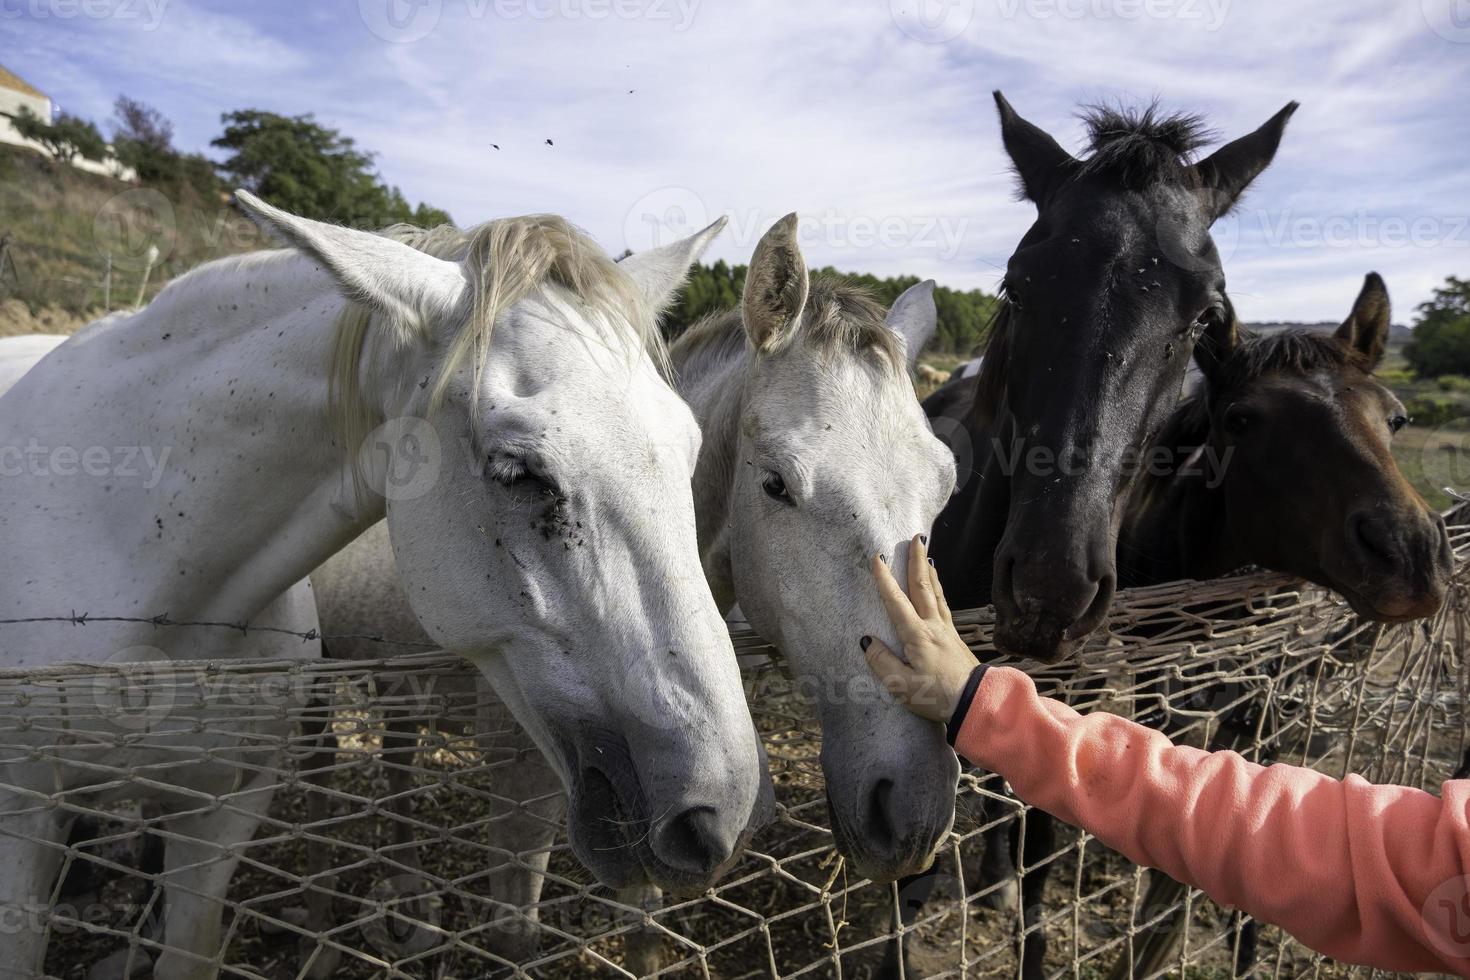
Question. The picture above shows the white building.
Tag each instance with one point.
(17, 94)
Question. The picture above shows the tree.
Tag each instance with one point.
(306, 168)
(143, 139)
(1441, 341)
(142, 125)
(66, 137)
(964, 317)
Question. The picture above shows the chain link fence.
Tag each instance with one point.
(398, 846)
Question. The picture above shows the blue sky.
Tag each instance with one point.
(872, 118)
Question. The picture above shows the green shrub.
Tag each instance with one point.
(1441, 340)
(1395, 377)
(1454, 382)
(1432, 411)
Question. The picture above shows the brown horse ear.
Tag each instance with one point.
(1224, 175)
(1366, 328)
(1216, 344)
(775, 287)
(1039, 160)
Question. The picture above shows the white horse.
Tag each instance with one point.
(816, 455)
(605, 643)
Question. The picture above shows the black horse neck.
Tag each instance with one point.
(1175, 530)
(967, 532)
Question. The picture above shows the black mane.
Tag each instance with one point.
(990, 385)
(1138, 147)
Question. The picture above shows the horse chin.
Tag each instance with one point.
(913, 854)
(1041, 639)
(1389, 609)
(598, 828)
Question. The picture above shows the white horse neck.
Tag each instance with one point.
(711, 380)
(169, 462)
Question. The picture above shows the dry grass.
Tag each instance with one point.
(64, 225)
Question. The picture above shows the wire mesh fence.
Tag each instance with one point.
(423, 838)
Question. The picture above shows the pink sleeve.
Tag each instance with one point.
(1373, 875)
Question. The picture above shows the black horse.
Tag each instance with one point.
(1103, 301)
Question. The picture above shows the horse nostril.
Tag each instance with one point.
(1097, 609)
(880, 818)
(1373, 539)
(693, 842)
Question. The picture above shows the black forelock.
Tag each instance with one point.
(1138, 147)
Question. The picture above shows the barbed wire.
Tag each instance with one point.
(163, 620)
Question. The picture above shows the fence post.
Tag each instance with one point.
(152, 257)
(107, 285)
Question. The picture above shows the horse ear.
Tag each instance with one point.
(1366, 328)
(1039, 160)
(1224, 175)
(388, 277)
(1216, 344)
(914, 317)
(775, 287)
(660, 272)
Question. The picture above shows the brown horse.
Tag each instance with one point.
(1282, 459)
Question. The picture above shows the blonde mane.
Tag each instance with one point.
(506, 261)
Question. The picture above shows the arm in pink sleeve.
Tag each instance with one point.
(1366, 874)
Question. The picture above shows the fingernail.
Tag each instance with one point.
(931, 562)
(924, 540)
(865, 642)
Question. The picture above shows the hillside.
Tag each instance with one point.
(63, 226)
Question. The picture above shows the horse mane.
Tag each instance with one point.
(1255, 355)
(990, 383)
(506, 261)
(839, 316)
(1138, 147)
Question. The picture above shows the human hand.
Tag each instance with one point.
(936, 665)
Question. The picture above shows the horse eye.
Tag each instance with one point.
(512, 472)
(775, 487)
(1238, 421)
(1397, 422)
(1010, 294)
(1210, 318)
